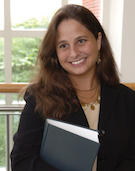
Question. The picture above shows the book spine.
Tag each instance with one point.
(44, 136)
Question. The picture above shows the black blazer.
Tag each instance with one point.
(116, 126)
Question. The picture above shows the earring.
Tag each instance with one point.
(99, 59)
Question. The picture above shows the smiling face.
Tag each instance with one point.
(77, 49)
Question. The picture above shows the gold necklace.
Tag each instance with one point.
(89, 97)
(89, 89)
(91, 105)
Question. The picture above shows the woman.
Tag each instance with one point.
(77, 82)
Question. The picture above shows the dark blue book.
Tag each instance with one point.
(69, 147)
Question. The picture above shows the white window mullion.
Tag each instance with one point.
(28, 33)
(9, 141)
(1, 33)
(7, 40)
(8, 74)
(64, 2)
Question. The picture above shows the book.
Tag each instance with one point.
(69, 147)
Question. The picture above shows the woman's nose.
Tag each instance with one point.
(74, 52)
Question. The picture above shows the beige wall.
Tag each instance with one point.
(118, 20)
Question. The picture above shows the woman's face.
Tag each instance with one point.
(76, 47)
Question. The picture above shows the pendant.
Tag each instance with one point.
(98, 101)
(82, 104)
(92, 107)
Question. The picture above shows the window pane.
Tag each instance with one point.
(24, 54)
(2, 142)
(2, 60)
(2, 99)
(37, 15)
(18, 99)
(1, 14)
(16, 119)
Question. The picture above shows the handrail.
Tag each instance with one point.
(16, 87)
(130, 85)
(11, 108)
(12, 87)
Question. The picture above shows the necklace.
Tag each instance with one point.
(87, 90)
(89, 97)
(91, 105)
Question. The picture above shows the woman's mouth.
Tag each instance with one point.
(78, 62)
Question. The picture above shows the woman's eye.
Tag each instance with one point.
(81, 40)
(63, 46)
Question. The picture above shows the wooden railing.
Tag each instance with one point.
(130, 85)
(11, 87)
(16, 87)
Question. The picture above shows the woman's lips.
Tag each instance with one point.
(78, 62)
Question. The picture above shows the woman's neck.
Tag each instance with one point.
(84, 83)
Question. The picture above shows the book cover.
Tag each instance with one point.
(69, 147)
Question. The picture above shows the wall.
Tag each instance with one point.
(128, 42)
(117, 20)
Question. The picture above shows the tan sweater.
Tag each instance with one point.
(92, 118)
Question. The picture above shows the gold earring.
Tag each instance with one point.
(99, 59)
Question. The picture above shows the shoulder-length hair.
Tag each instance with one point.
(54, 92)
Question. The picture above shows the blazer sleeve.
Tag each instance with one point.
(128, 163)
(27, 141)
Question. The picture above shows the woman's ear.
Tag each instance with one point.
(99, 40)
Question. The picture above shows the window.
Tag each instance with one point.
(28, 24)
(1, 14)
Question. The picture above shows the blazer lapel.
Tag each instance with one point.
(78, 118)
(108, 99)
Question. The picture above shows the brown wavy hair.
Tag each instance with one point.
(54, 92)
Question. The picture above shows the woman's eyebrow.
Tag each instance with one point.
(80, 37)
(60, 42)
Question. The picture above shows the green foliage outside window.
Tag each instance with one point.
(15, 119)
(1, 60)
(24, 51)
(24, 54)
(33, 23)
(2, 141)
